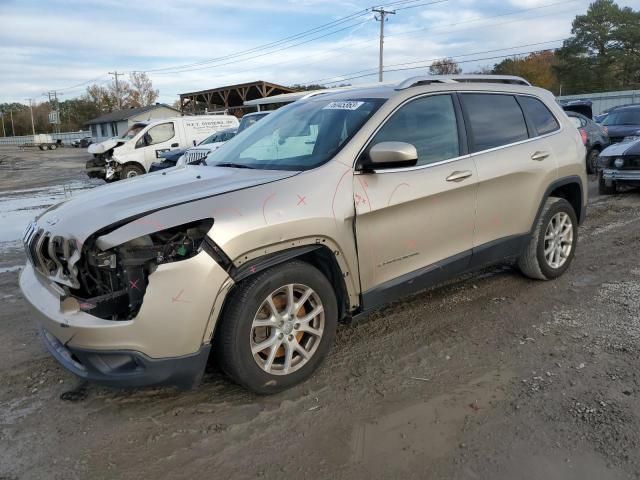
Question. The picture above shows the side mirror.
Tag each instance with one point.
(390, 155)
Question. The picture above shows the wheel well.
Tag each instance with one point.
(135, 164)
(324, 260)
(572, 193)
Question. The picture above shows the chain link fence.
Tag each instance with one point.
(65, 137)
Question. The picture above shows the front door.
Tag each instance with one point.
(413, 225)
(158, 139)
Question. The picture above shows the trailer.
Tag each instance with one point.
(44, 141)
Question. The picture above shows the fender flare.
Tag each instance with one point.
(561, 182)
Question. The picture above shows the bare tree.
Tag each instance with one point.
(140, 90)
(445, 66)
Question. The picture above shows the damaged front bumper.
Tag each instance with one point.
(167, 342)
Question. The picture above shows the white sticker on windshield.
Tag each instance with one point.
(347, 105)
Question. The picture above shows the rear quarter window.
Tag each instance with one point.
(538, 113)
(494, 120)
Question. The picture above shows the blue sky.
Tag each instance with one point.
(47, 45)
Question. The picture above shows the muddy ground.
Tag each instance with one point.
(491, 377)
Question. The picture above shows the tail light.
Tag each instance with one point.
(583, 134)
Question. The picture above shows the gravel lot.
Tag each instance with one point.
(491, 377)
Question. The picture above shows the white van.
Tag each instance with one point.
(136, 156)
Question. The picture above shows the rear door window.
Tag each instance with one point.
(494, 120)
(542, 119)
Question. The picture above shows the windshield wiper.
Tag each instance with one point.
(231, 165)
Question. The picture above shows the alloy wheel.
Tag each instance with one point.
(287, 329)
(558, 240)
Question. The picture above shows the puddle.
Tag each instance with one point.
(19, 207)
(431, 429)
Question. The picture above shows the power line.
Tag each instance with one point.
(339, 78)
(463, 61)
(280, 43)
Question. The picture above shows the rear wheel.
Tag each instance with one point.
(603, 188)
(592, 160)
(130, 171)
(277, 327)
(553, 243)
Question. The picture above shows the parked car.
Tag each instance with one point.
(250, 118)
(594, 137)
(211, 143)
(328, 208)
(623, 124)
(134, 158)
(102, 152)
(83, 142)
(619, 165)
(196, 155)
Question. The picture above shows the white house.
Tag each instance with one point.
(115, 123)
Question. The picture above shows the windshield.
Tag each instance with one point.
(623, 117)
(300, 136)
(132, 132)
(210, 139)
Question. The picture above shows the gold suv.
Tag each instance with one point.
(328, 208)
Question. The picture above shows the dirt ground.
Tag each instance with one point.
(491, 377)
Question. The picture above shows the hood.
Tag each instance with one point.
(84, 214)
(583, 108)
(622, 148)
(97, 148)
(622, 130)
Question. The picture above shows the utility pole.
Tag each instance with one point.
(13, 131)
(55, 106)
(4, 132)
(33, 128)
(382, 18)
(115, 75)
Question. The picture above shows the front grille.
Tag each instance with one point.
(616, 139)
(195, 156)
(52, 256)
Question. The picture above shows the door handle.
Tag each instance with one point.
(173, 145)
(539, 156)
(459, 176)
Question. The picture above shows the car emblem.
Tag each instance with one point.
(52, 221)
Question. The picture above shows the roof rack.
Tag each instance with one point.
(429, 79)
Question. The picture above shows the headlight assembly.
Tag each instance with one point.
(113, 282)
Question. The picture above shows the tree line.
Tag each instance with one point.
(602, 54)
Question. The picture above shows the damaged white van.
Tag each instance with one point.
(134, 157)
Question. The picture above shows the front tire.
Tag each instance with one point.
(277, 327)
(130, 171)
(553, 243)
(603, 188)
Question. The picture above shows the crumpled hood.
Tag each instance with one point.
(622, 148)
(97, 148)
(84, 214)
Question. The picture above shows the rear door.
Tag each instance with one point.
(410, 219)
(515, 165)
